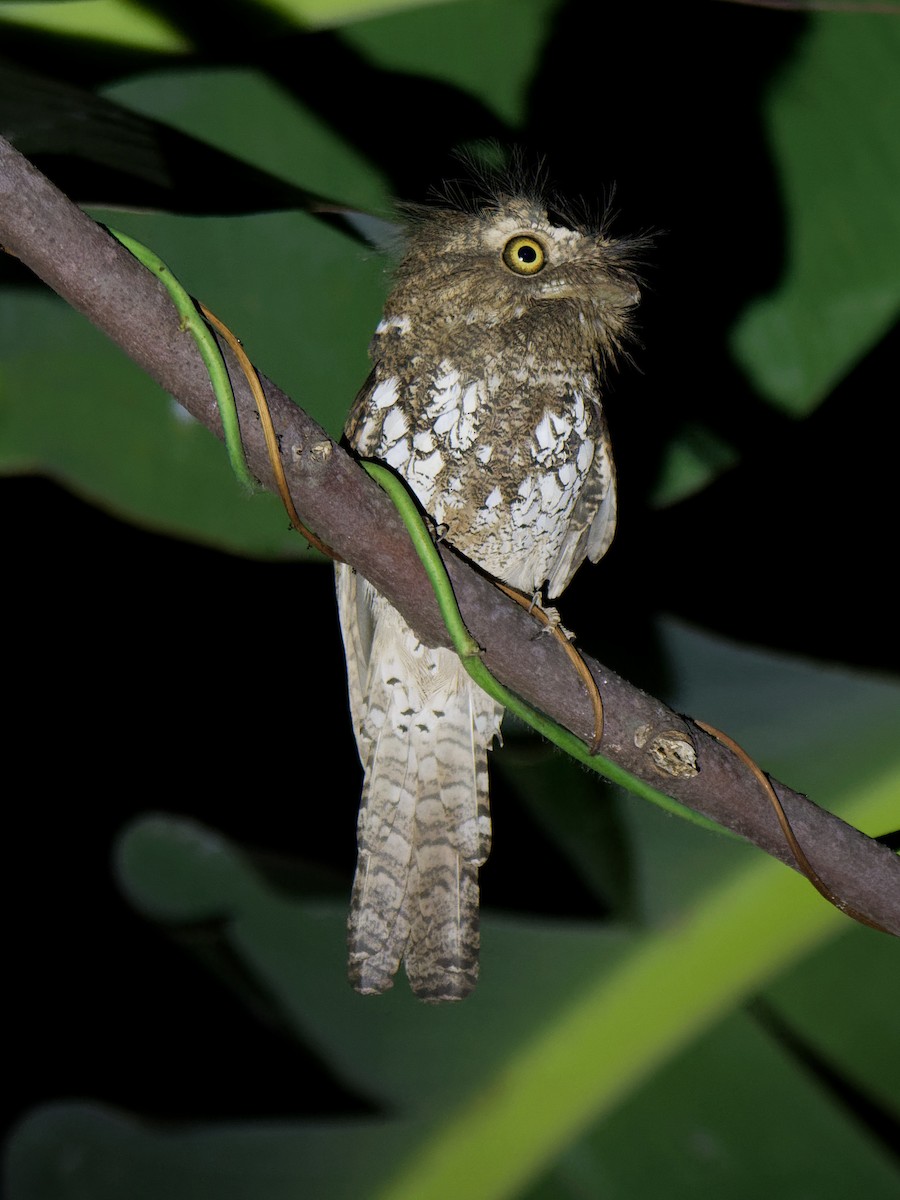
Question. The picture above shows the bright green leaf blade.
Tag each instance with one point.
(740, 1118)
(120, 22)
(324, 13)
(130, 24)
(832, 117)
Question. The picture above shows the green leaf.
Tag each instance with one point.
(832, 116)
(88, 1152)
(694, 457)
(438, 42)
(120, 22)
(302, 297)
(130, 24)
(243, 113)
(323, 13)
(741, 1117)
(95, 422)
(841, 1005)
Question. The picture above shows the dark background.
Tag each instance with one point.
(120, 697)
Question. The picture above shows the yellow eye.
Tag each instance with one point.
(524, 255)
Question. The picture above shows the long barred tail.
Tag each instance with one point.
(423, 729)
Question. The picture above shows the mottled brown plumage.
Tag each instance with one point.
(485, 397)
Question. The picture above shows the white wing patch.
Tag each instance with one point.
(401, 324)
(451, 412)
(521, 540)
(396, 455)
(395, 426)
(385, 393)
(422, 475)
(522, 532)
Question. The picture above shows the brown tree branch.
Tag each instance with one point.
(97, 276)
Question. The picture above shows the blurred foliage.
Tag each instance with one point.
(656, 1004)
